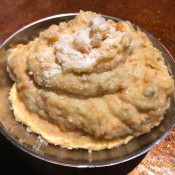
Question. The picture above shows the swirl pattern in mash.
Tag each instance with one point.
(93, 76)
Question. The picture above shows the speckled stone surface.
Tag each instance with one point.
(157, 17)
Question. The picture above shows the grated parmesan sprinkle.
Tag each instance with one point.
(78, 52)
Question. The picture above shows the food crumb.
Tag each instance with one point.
(89, 151)
(84, 77)
(30, 73)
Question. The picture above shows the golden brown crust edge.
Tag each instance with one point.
(52, 133)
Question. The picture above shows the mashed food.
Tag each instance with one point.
(89, 83)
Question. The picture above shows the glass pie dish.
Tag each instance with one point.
(33, 144)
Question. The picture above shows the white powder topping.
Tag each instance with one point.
(71, 59)
(82, 40)
(82, 50)
(50, 68)
(51, 73)
(99, 24)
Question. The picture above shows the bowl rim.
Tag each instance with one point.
(90, 165)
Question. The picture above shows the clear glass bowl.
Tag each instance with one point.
(31, 143)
